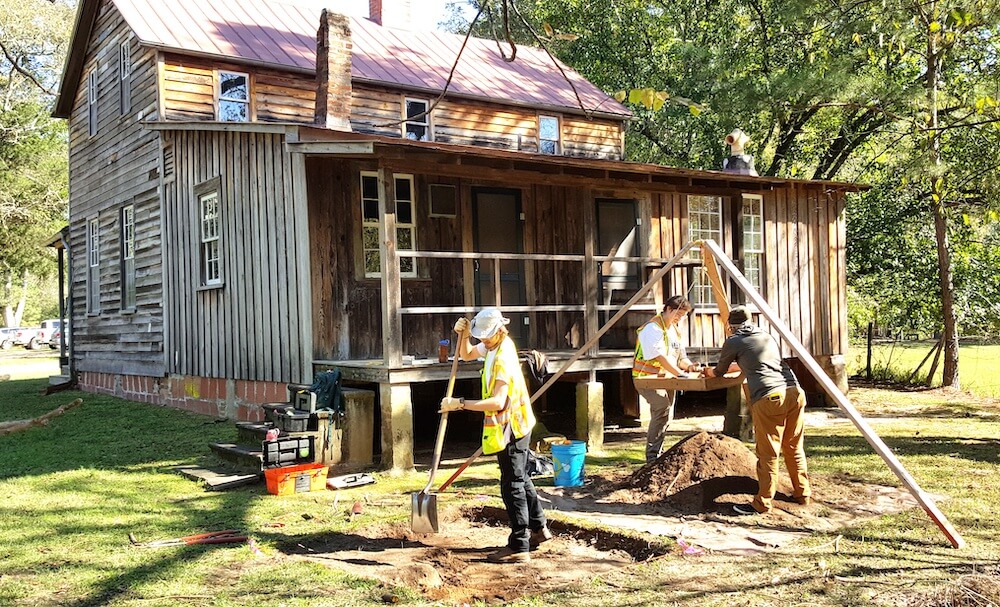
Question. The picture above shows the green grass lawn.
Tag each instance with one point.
(74, 490)
(978, 365)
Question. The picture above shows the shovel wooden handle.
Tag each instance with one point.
(439, 444)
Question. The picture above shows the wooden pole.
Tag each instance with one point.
(925, 501)
(934, 364)
(868, 363)
(935, 348)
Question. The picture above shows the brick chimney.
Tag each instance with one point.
(390, 13)
(333, 72)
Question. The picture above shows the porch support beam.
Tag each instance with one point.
(396, 406)
(392, 320)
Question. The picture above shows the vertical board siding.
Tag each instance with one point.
(115, 167)
(248, 327)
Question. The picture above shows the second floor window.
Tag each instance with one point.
(125, 73)
(92, 101)
(704, 222)
(406, 228)
(548, 135)
(128, 257)
(211, 253)
(234, 97)
(417, 125)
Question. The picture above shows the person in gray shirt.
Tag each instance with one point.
(777, 405)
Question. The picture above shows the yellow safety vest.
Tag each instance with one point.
(517, 410)
(641, 366)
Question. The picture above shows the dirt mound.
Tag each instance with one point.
(696, 471)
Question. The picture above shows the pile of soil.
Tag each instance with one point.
(696, 471)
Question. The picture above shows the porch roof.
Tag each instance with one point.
(459, 160)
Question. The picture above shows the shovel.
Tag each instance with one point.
(424, 515)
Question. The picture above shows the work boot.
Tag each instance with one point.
(507, 555)
(538, 536)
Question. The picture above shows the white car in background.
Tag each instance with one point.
(57, 338)
(43, 334)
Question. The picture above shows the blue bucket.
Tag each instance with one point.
(567, 462)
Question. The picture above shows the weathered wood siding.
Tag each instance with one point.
(189, 94)
(803, 267)
(347, 306)
(117, 166)
(249, 327)
(803, 264)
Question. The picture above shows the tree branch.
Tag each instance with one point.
(20, 70)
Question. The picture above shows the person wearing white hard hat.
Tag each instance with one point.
(508, 420)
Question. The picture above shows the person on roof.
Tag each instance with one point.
(777, 408)
(508, 420)
(659, 351)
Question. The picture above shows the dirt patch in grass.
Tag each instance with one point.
(681, 504)
(451, 566)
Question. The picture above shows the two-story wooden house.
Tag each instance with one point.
(259, 190)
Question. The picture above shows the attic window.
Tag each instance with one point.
(125, 73)
(234, 97)
(92, 101)
(548, 134)
(418, 123)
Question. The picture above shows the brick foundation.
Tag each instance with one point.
(234, 399)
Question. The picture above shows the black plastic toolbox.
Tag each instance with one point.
(291, 421)
(288, 451)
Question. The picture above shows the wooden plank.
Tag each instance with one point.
(694, 384)
(591, 292)
(925, 500)
(392, 327)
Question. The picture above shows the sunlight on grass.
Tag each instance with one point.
(978, 365)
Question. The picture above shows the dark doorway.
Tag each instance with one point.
(496, 215)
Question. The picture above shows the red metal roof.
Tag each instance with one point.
(282, 33)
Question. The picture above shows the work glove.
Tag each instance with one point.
(449, 403)
(462, 326)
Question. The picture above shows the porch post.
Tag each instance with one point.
(394, 399)
(392, 320)
(590, 395)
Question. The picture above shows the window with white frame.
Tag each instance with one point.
(208, 204)
(234, 97)
(128, 257)
(93, 266)
(125, 80)
(417, 125)
(406, 227)
(92, 100)
(704, 222)
(548, 134)
(753, 240)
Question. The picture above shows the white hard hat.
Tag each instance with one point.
(487, 323)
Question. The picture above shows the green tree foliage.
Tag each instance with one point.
(33, 159)
(900, 94)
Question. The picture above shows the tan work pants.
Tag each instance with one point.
(778, 422)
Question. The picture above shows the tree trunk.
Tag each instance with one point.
(934, 58)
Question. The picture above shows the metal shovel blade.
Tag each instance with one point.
(424, 513)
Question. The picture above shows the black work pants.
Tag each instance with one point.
(524, 511)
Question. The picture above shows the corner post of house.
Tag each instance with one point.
(590, 394)
(303, 259)
(395, 399)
